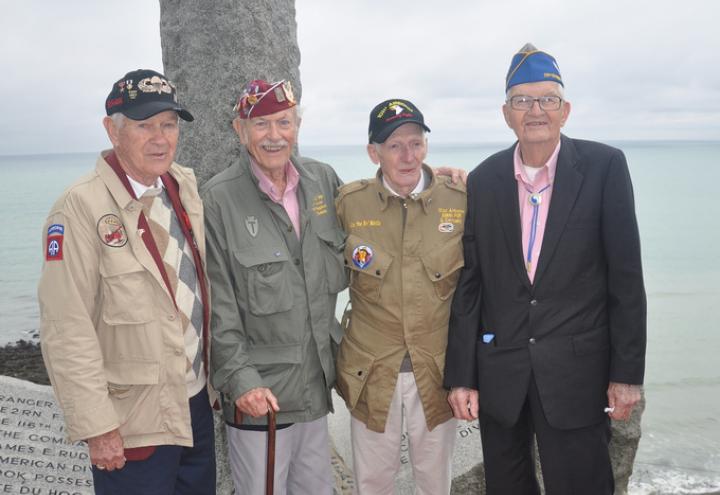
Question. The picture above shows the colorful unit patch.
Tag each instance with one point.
(362, 256)
(111, 232)
(446, 227)
(53, 248)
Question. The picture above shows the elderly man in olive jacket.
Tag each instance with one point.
(275, 264)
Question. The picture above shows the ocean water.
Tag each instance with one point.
(676, 186)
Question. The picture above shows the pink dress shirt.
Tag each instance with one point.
(288, 200)
(543, 182)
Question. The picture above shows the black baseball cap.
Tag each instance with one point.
(391, 114)
(142, 93)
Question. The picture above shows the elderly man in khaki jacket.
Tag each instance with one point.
(404, 252)
(124, 303)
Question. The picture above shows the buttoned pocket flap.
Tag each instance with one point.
(268, 281)
(365, 257)
(442, 266)
(256, 258)
(132, 372)
(125, 289)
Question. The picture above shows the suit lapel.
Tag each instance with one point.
(566, 186)
(506, 196)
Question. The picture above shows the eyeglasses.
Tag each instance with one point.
(522, 102)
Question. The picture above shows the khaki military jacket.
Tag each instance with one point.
(112, 339)
(404, 257)
(273, 312)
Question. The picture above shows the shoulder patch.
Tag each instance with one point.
(352, 187)
(54, 243)
(457, 186)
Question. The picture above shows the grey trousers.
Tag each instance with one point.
(302, 460)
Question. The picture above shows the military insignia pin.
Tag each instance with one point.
(287, 87)
(362, 256)
(252, 225)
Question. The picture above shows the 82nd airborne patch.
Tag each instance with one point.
(54, 244)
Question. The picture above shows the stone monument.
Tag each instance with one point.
(35, 456)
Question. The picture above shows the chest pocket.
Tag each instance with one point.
(368, 267)
(332, 245)
(442, 267)
(126, 289)
(268, 284)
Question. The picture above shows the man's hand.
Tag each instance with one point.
(255, 402)
(106, 451)
(622, 398)
(464, 403)
(455, 174)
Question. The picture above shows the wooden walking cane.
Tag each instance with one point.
(270, 472)
(270, 467)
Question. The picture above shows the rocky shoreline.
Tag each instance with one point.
(23, 360)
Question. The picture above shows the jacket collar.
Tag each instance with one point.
(424, 197)
(566, 186)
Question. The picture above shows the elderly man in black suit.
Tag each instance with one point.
(548, 325)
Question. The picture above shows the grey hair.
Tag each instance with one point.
(560, 88)
(118, 119)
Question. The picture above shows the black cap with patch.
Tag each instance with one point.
(142, 93)
(391, 114)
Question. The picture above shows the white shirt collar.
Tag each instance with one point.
(419, 187)
(140, 189)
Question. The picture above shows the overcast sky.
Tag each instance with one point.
(633, 69)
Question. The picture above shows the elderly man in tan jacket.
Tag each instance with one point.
(124, 303)
(404, 252)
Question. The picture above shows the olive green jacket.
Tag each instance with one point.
(405, 257)
(273, 309)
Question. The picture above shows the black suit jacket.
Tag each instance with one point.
(582, 322)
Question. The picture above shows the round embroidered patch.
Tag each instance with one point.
(111, 231)
(446, 227)
(362, 256)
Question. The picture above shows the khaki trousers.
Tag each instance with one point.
(376, 456)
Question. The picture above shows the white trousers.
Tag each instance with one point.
(302, 460)
(376, 456)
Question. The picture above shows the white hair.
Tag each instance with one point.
(118, 119)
